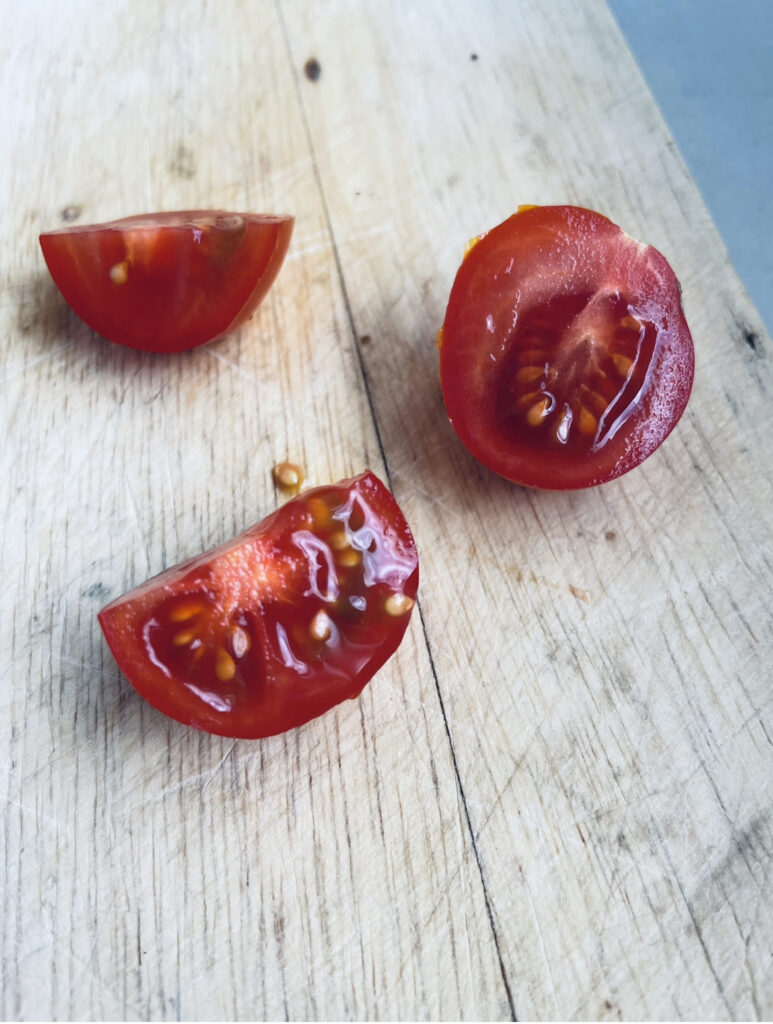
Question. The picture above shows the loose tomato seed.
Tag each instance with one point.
(320, 628)
(225, 666)
(119, 273)
(398, 604)
(288, 477)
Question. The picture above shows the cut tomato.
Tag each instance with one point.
(565, 356)
(281, 623)
(166, 282)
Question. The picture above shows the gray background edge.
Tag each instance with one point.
(709, 65)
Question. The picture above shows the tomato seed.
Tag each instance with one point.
(586, 421)
(398, 604)
(598, 403)
(538, 412)
(530, 374)
(119, 274)
(622, 364)
(338, 541)
(320, 513)
(184, 637)
(225, 666)
(185, 610)
(349, 559)
(321, 627)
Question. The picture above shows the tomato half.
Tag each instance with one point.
(565, 357)
(166, 282)
(281, 623)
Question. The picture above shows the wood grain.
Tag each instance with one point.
(555, 800)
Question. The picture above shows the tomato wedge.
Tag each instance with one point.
(166, 282)
(278, 625)
(565, 356)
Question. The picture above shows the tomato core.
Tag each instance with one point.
(575, 372)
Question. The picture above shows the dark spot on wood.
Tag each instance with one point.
(610, 535)
(750, 337)
(609, 1008)
(473, 56)
(579, 832)
(97, 590)
(748, 852)
(312, 69)
(71, 213)
(622, 842)
(279, 928)
(365, 339)
(183, 162)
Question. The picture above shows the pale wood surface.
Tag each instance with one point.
(555, 801)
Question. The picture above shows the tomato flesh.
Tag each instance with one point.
(278, 625)
(565, 357)
(166, 282)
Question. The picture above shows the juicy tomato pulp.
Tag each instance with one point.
(278, 625)
(166, 282)
(565, 357)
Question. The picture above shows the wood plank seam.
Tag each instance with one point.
(376, 428)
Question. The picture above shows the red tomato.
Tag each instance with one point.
(565, 357)
(281, 623)
(168, 281)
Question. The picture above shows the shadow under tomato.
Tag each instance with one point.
(433, 459)
(45, 322)
(42, 315)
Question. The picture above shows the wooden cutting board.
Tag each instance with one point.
(556, 800)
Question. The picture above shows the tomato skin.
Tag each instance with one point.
(278, 625)
(166, 282)
(565, 356)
